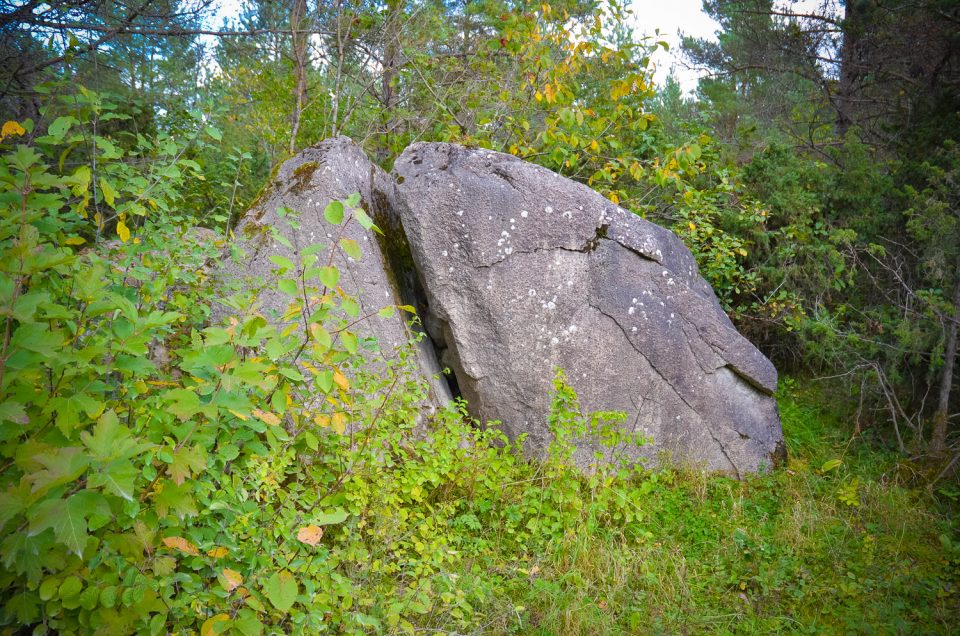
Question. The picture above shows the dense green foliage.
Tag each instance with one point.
(162, 471)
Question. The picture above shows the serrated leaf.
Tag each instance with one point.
(109, 194)
(339, 422)
(310, 535)
(351, 248)
(59, 127)
(329, 276)
(182, 545)
(321, 335)
(333, 213)
(247, 623)
(281, 590)
(187, 461)
(341, 380)
(269, 418)
(215, 625)
(331, 518)
(288, 286)
(230, 579)
(363, 218)
(117, 477)
(183, 403)
(350, 341)
(282, 262)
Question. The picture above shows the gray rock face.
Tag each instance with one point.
(526, 271)
(305, 184)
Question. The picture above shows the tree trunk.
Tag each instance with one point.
(938, 442)
(851, 67)
(299, 36)
(391, 64)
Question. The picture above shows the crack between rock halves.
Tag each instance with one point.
(600, 234)
(723, 449)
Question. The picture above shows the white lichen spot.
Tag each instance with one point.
(523, 214)
(548, 210)
(513, 220)
(450, 270)
(551, 305)
(554, 341)
(459, 212)
(631, 310)
(572, 329)
(444, 252)
(633, 329)
(531, 293)
(568, 214)
(508, 251)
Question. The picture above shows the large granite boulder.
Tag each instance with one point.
(304, 185)
(525, 271)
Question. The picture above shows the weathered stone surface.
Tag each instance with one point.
(525, 271)
(305, 184)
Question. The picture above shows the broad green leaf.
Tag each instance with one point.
(351, 248)
(333, 213)
(109, 193)
(285, 264)
(288, 286)
(281, 590)
(331, 518)
(363, 218)
(350, 341)
(215, 133)
(247, 623)
(118, 477)
(183, 403)
(353, 200)
(321, 335)
(59, 127)
(329, 276)
(830, 465)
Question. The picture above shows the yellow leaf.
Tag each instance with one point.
(181, 544)
(341, 380)
(310, 535)
(270, 418)
(75, 240)
(742, 251)
(10, 129)
(212, 628)
(218, 552)
(239, 415)
(123, 231)
(339, 422)
(322, 420)
(692, 226)
(230, 579)
(614, 197)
